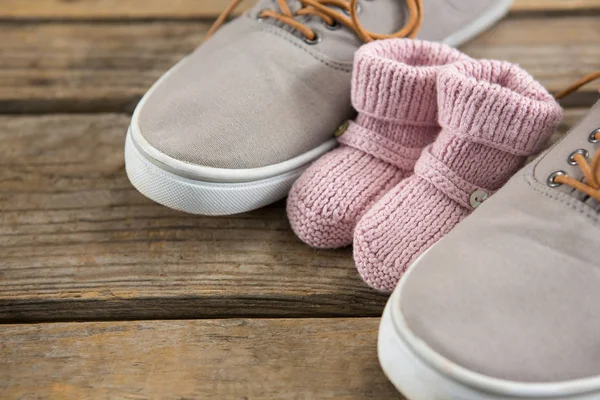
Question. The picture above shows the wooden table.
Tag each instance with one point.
(106, 295)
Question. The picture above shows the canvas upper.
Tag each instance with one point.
(257, 94)
(513, 292)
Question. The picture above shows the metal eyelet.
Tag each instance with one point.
(358, 9)
(553, 176)
(571, 159)
(593, 136)
(336, 25)
(314, 41)
(477, 198)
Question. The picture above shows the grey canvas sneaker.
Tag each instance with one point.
(507, 306)
(232, 125)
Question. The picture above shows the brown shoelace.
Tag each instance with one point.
(591, 171)
(321, 8)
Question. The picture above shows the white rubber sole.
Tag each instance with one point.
(197, 189)
(202, 197)
(420, 373)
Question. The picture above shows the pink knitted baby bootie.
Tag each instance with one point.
(493, 115)
(394, 92)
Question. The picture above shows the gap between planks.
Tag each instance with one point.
(77, 242)
(205, 9)
(81, 67)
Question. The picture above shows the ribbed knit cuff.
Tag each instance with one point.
(396, 79)
(497, 103)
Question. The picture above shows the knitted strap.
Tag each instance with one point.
(443, 178)
(380, 147)
(518, 145)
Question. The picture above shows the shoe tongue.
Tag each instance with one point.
(294, 6)
(593, 203)
(556, 158)
(381, 16)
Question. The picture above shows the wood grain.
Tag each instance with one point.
(111, 9)
(107, 67)
(210, 359)
(555, 5)
(80, 67)
(77, 241)
(187, 9)
(556, 50)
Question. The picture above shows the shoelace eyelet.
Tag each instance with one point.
(571, 159)
(336, 25)
(314, 41)
(593, 136)
(328, 10)
(553, 176)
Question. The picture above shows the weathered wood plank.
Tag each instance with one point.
(106, 67)
(555, 50)
(110, 9)
(78, 242)
(186, 9)
(555, 5)
(210, 359)
(87, 67)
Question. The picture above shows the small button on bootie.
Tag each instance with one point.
(493, 116)
(506, 305)
(394, 92)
